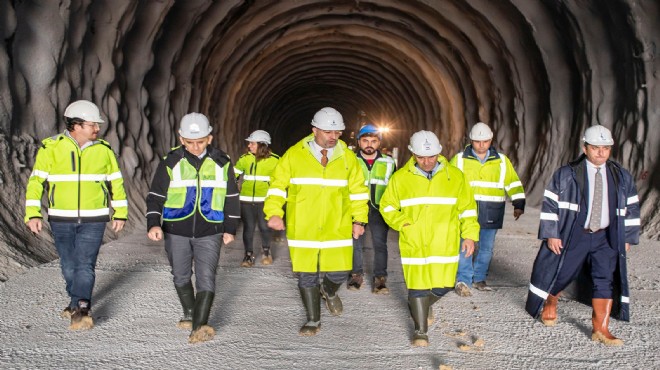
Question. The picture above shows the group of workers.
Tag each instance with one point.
(447, 213)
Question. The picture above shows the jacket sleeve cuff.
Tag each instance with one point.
(519, 204)
(231, 224)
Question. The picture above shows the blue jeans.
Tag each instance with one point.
(379, 230)
(78, 247)
(475, 268)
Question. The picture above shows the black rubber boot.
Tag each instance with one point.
(186, 295)
(201, 331)
(312, 300)
(329, 293)
(419, 309)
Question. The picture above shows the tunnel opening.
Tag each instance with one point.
(538, 72)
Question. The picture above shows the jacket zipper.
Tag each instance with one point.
(254, 183)
(73, 167)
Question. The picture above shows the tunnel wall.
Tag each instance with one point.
(539, 72)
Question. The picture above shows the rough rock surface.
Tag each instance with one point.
(538, 71)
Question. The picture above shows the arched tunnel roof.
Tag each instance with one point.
(538, 72)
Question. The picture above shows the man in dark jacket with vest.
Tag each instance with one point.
(195, 194)
(589, 219)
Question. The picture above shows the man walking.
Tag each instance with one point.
(491, 176)
(431, 205)
(321, 182)
(84, 184)
(589, 219)
(377, 168)
(194, 192)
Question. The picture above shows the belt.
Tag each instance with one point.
(588, 231)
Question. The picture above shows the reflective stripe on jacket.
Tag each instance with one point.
(559, 214)
(83, 184)
(439, 212)
(490, 182)
(321, 205)
(256, 176)
(378, 177)
(190, 190)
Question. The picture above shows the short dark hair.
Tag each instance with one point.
(71, 122)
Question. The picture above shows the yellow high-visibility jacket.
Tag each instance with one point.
(321, 205)
(490, 181)
(82, 184)
(439, 212)
(256, 176)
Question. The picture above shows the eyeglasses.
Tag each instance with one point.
(93, 124)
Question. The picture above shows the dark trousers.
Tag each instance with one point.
(252, 215)
(378, 229)
(420, 293)
(592, 248)
(204, 251)
(312, 279)
(78, 246)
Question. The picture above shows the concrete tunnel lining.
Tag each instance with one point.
(539, 72)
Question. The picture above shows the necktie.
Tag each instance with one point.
(324, 157)
(597, 205)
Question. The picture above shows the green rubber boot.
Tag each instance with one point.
(201, 332)
(186, 295)
(419, 309)
(329, 293)
(312, 300)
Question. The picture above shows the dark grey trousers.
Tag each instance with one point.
(312, 279)
(205, 252)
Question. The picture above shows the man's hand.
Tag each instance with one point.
(554, 245)
(118, 225)
(155, 233)
(276, 223)
(627, 247)
(35, 225)
(517, 213)
(357, 231)
(227, 238)
(468, 247)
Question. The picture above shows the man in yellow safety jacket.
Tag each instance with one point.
(491, 176)
(430, 204)
(322, 184)
(85, 190)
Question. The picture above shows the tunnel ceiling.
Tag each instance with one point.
(539, 72)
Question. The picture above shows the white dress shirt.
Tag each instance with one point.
(591, 176)
(316, 150)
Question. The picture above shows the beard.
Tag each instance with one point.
(368, 150)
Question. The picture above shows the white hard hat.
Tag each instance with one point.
(598, 135)
(481, 132)
(194, 126)
(328, 119)
(85, 110)
(259, 136)
(425, 144)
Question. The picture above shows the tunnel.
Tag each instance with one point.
(539, 72)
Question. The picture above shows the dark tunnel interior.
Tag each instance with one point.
(538, 72)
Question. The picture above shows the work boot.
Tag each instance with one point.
(248, 260)
(186, 295)
(379, 286)
(329, 293)
(481, 285)
(201, 332)
(432, 299)
(267, 258)
(355, 281)
(601, 320)
(419, 310)
(549, 314)
(462, 289)
(312, 300)
(80, 318)
(66, 312)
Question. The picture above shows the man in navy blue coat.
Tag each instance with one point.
(589, 219)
